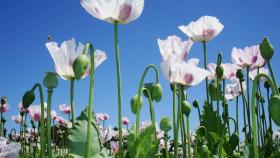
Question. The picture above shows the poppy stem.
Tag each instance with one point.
(117, 51)
(248, 103)
(90, 100)
(174, 122)
(49, 146)
(72, 100)
(165, 145)
(272, 76)
(205, 66)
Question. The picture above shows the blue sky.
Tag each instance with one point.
(24, 26)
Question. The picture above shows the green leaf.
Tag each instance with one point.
(146, 145)
(215, 91)
(77, 139)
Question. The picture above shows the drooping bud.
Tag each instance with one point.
(80, 66)
(186, 108)
(266, 49)
(201, 131)
(50, 80)
(157, 92)
(4, 100)
(165, 124)
(274, 109)
(234, 140)
(28, 98)
(136, 104)
(149, 87)
(195, 104)
(239, 74)
(219, 71)
(266, 84)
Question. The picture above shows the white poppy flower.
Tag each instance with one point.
(253, 73)
(64, 56)
(204, 29)
(123, 11)
(174, 46)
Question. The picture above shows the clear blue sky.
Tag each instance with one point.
(24, 26)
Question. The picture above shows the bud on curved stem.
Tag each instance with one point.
(219, 59)
(140, 92)
(266, 49)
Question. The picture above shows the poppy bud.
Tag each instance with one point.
(266, 84)
(165, 124)
(186, 108)
(234, 140)
(201, 131)
(266, 49)
(80, 66)
(204, 148)
(136, 104)
(239, 74)
(274, 109)
(149, 87)
(195, 104)
(157, 92)
(50, 80)
(28, 99)
(219, 71)
(4, 100)
(219, 60)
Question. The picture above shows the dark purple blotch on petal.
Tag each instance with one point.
(125, 11)
(188, 78)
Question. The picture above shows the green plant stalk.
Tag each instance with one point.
(151, 108)
(90, 100)
(225, 106)
(218, 107)
(258, 123)
(188, 137)
(248, 101)
(120, 153)
(237, 118)
(205, 66)
(140, 90)
(269, 117)
(199, 114)
(183, 135)
(179, 114)
(254, 90)
(72, 100)
(42, 121)
(165, 145)
(174, 122)
(272, 75)
(244, 109)
(49, 142)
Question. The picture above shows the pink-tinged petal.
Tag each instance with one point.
(4, 108)
(125, 11)
(204, 29)
(247, 57)
(233, 90)
(17, 119)
(53, 115)
(253, 73)
(193, 61)
(35, 112)
(65, 109)
(212, 70)
(173, 46)
(125, 121)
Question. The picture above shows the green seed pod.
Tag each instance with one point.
(195, 104)
(266, 84)
(239, 74)
(266, 49)
(28, 99)
(274, 109)
(4, 100)
(234, 140)
(186, 108)
(165, 124)
(50, 81)
(204, 148)
(157, 92)
(201, 131)
(219, 71)
(80, 66)
(136, 104)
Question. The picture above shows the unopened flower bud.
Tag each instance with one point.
(136, 104)
(266, 49)
(28, 98)
(202, 131)
(149, 87)
(195, 104)
(165, 124)
(50, 80)
(157, 92)
(186, 108)
(239, 74)
(80, 66)
(4, 100)
(219, 71)
(266, 84)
